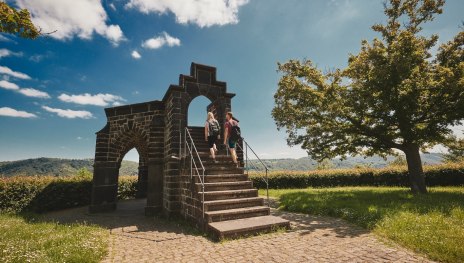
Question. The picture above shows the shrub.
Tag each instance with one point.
(438, 175)
(40, 194)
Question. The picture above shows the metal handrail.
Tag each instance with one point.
(192, 148)
(266, 179)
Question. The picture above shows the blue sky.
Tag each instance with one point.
(53, 90)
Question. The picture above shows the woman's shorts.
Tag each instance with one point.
(232, 144)
(211, 141)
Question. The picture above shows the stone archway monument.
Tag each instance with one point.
(154, 129)
(223, 203)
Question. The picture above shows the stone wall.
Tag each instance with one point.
(156, 130)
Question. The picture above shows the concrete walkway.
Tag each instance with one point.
(136, 238)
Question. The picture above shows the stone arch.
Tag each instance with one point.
(155, 129)
(126, 140)
(196, 107)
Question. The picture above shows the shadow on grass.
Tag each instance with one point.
(366, 207)
(128, 220)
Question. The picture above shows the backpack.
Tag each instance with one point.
(214, 128)
(235, 133)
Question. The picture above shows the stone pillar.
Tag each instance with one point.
(155, 188)
(105, 187)
(142, 182)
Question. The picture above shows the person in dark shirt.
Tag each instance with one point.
(230, 121)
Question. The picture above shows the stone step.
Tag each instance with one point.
(224, 170)
(224, 178)
(246, 226)
(236, 213)
(223, 186)
(233, 203)
(229, 194)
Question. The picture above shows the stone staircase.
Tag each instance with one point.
(231, 205)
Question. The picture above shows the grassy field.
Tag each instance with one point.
(431, 224)
(27, 240)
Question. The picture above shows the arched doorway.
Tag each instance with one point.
(135, 165)
(197, 110)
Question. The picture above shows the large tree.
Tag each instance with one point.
(393, 95)
(17, 22)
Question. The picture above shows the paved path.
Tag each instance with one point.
(136, 238)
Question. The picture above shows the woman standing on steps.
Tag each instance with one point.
(212, 134)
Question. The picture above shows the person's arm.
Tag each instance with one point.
(206, 131)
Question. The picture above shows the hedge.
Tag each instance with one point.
(41, 194)
(438, 175)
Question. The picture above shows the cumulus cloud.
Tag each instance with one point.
(5, 39)
(10, 112)
(6, 53)
(203, 13)
(30, 92)
(136, 54)
(88, 99)
(8, 85)
(71, 18)
(8, 71)
(160, 41)
(70, 114)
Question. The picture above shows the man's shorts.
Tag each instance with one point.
(232, 144)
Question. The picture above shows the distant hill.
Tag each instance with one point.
(306, 163)
(57, 167)
(69, 167)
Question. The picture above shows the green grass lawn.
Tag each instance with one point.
(431, 224)
(27, 240)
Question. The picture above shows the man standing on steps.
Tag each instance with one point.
(231, 135)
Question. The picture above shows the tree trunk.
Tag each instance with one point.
(416, 174)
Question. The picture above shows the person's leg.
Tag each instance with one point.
(211, 147)
(211, 150)
(233, 154)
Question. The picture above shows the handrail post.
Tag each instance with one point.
(267, 189)
(246, 156)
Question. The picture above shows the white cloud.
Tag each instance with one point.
(8, 71)
(6, 111)
(136, 54)
(79, 138)
(112, 6)
(70, 114)
(8, 85)
(30, 92)
(5, 39)
(71, 18)
(88, 99)
(204, 13)
(36, 58)
(158, 42)
(5, 53)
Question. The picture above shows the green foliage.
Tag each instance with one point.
(399, 161)
(127, 187)
(40, 194)
(17, 22)
(392, 95)
(432, 224)
(455, 150)
(325, 165)
(29, 240)
(451, 174)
